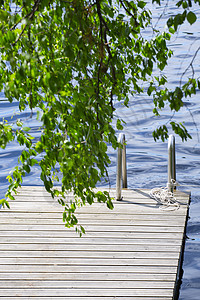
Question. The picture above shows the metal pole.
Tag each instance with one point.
(124, 172)
(171, 163)
(121, 167)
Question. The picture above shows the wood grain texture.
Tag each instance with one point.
(129, 253)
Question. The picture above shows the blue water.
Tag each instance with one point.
(146, 160)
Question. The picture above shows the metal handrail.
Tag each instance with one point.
(121, 180)
(171, 163)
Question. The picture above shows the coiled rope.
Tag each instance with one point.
(165, 198)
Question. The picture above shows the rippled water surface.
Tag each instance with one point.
(147, 160)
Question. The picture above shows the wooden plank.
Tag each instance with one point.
(91, 269)
(26, 220)
(85, 292)
(90, 276)
(103, 212)
(96, 213)
(86, 284)
(128, 200)
(103, 235)
(91, 241)
(143, 192)
(167, 218)
(87, 247)
(100, 208)
(89, 298)
(90, 253)
(92, 228)
(48, 199)
(131, 252)
(126, 193)
(89, 261)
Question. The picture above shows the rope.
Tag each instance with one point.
(165, 198)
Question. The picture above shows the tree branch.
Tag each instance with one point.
(190, 65)
(29, 17)
(105, 43)
(128, 11)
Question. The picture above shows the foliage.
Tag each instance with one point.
(72, 60)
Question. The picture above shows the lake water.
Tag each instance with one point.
(147, 160)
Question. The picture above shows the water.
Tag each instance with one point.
(147, 160)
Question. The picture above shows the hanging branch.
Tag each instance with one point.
(29, 17)
(101, 53)
(190, 66)
(104, 43)
(128, 11)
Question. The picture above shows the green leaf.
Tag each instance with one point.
(19, 123)
(4, 15)
(33, 162)
(74, 63)
(4, 203)
(191, 17)
(110, 204)
(82, 229)
(119, 125)
(26, 129)
(171, 30)
(141, 4)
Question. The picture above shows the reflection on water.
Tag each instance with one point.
(146, 160)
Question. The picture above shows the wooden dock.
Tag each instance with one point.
(133, 252)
